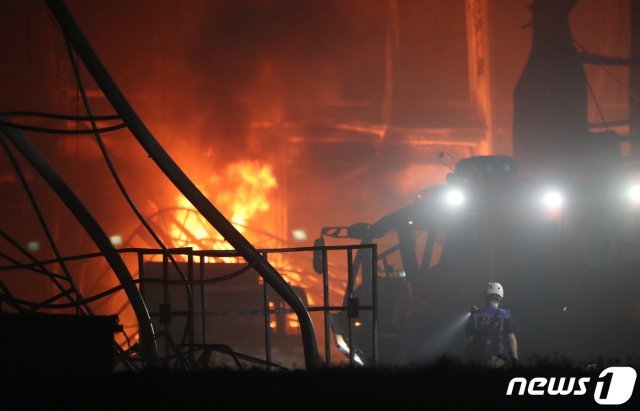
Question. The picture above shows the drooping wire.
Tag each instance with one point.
(9, 298)
(31, 266)
(56, 116)
(44, 225)
(47, 304)
(123, 190)
(597, 104)
(52, 276)
(45, 130)
(590, 89)
(28, 266)
(34, 262)
(41, 263)
(440, 157)
(619, 82)
(631, 94)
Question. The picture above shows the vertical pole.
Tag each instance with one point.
(190, 322)
(479, 69)
(141, 273)
(267, 321)
(349, 292)
(327, 321)
(203, 296)
(374, 299)
(165, 311)
(141, 286)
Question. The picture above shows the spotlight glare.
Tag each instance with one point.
(634, 193)
(553, 200)
(455, 197)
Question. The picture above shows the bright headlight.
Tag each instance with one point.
(634, 193)
(455, 197)
(553, 200)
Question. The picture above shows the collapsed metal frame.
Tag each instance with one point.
(352, 308)
(189, 362)
(156, 152)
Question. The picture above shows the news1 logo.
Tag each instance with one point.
(614, 386)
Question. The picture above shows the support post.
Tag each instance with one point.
(480, 69)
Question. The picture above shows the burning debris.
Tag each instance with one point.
(243, 191)
(288, 124)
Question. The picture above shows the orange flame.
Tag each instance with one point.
(243, 192)
(254, 181)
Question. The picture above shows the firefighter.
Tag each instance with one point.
(492, 331)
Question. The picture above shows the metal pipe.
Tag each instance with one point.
(91, 226)
(190, 323)
(267, 321)
(165, 310)
(203, 297)
(349, 293)
(155, 151)
(327, 314)
(141, 274)
(374, 300)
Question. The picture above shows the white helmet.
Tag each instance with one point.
(495, 288)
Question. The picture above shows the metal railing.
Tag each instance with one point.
(165, 313)
(197, 258)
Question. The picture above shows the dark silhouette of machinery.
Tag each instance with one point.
(561, 235)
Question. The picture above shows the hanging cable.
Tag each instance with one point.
(582, 53)
(9, 298)
(44, 225)
(211, 280)
(40, 263)
(17, 265)
(61, 131)
(595, 101)
(586, 59)
(589, 58)
(48, 303)
(33, 259)
(124, 191)
(56, 116)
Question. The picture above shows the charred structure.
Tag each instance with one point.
(219, 140)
